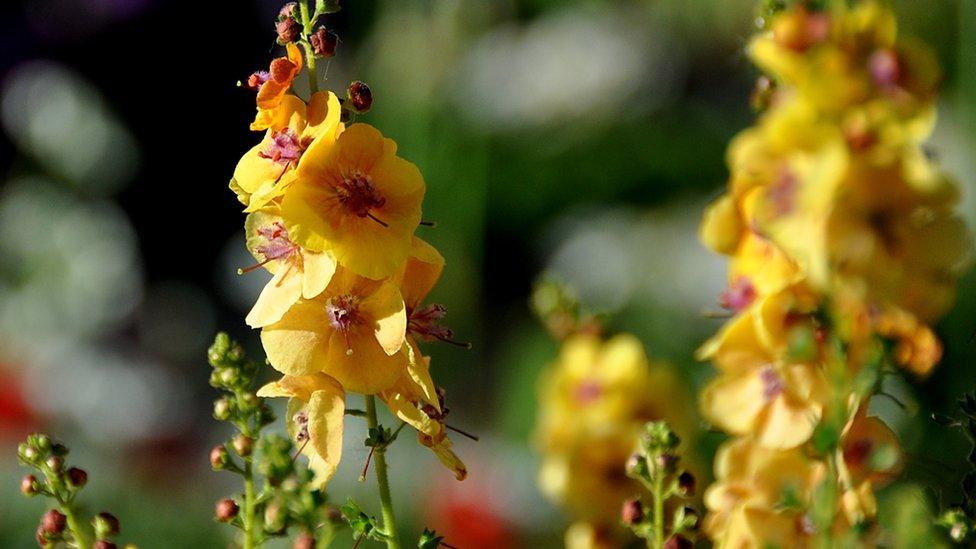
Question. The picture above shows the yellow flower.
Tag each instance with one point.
(598, 385)
(297, 273)
(315, 418)
(355, 198)
(266, 170)
(583, 535)
(760, 496)
(276, 83)
(353, 331)
(418, 402)
(591, 480)
(760, 391)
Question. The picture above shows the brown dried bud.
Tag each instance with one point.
(106, 525)
(632, 512)
(105, 544)
(28, 485)
(359, 98)
(226, 510)
(304, 541)
(287, 25)
(77, 477)
(678, 542)
(243, 445)
(218, 457)
(686, 483)
(53, 522)
(324, 42)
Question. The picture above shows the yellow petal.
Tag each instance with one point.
(789, 422)
(722, 226)
(418, 368)
(734, 402)
(318, 267)
(450, 460)
(298, 343)
(385, 307)
(278, 295)
(368, 369)
(421, 272)
(326, 411)
(410, 414)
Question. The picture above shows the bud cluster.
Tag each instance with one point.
(289, 497)
(61, 483)
(656, 465)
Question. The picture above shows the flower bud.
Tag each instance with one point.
(77, 477)
(678, 541)
(689, 519)
(686, 483)
(42, 443)
(666, 462)
(59, 450)
(53, 522)
(243, 445)
(219, 457)
(221, 411)
(28, 485)
(106, 525)
(274, 517)
(226, 510)
(41, 537)
(28, 452)
(637, 466)
(287, 26)
(250, 400)
(359, 98)
(324, 42)
(105, 544)
(228, 376)
(55, 463)
(304, 541)
(632, 512)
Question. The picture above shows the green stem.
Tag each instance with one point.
(249, 505)
(78, 528)
(658, 511)
(379, 460)
(308, 21)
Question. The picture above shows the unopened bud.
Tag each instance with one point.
(274, 517)
(42, 443)
(55, 463)
(689, 519)
(636, 466)
(59, 450)
(666, 462)
(243, 445)
(359, 98)
(686, 483)
(29, 453)
(105, 544)
(250, 400)
(286, 25)
(678, 542)
(218, 457)
(28, 485)
(106, 525)
(632, 512)
(228, 376)
(324, 42)
(221, 411)
(53, 522)
(304, 541)
(77, 477)
(41, 537)
(226, 510)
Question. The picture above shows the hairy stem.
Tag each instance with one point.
(249, 505)
(308, 22)
(78, 529)
(382, 478)
(658, 511)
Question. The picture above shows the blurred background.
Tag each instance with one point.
(580, 138)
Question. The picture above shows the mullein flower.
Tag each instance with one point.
(268, 168)
(272, 86)
(297, 273)
(352, 331)
(316, 410)
(355, 198)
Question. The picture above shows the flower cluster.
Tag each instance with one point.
(594, 402)
(63, 525)
(331, 214)
(844, 248)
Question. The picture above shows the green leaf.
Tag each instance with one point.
(429, 540)
(327, 6)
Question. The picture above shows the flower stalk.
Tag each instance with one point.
(382, 478)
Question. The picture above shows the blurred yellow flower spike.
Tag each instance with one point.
(593, 404)
(297, 273)
(352, 331)
(844, 247)
(268, 168)
(357, 199)
(316, 411)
